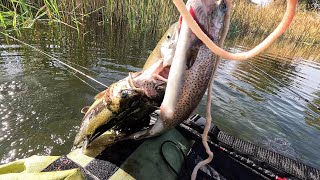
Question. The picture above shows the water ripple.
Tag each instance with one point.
(40, 100)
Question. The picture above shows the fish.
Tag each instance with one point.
(188, 77)
(119, 104)
(165, 48)
(109, 105)
(177, 73)
(125, 106)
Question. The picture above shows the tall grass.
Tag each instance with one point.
(14, 14)
(18, 14)
(152, 15)
(148, 15)
(249, 23)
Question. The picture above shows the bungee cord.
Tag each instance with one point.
(210, 90)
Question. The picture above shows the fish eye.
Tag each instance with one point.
(168, 36)
(224, 8)
(124, 94)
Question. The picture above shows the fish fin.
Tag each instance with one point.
(85, 109)
(100, 95)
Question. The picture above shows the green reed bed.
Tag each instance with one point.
(249, 23)
(249, 20)
(150, 14)
(18, 14)
(147, 15)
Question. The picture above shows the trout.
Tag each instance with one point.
(124, 107)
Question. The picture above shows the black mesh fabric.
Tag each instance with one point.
(64, 163)
(270, 159)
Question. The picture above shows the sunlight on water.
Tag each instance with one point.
(40, 100)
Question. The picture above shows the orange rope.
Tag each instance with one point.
(208, 107)
(284, 24)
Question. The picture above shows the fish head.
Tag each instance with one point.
(128, 98)
(164, 48)
(106, 111)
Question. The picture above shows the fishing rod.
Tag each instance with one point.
(61, 62)
(294, 92)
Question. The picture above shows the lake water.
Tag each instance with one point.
(40, 100)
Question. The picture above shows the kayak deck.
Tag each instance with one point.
(233, 159)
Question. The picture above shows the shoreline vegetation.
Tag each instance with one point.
(250, 24)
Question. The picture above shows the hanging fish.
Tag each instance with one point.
(125, 106)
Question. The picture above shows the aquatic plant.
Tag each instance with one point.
(18, 14)
(249, 22)
(147, 15)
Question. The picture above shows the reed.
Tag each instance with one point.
(249, 20)
(149, 15)
(249, 23)
(19, 14)
(146, 15)
(155, 14)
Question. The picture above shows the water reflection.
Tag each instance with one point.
(43, 115)
(313, 119)
(250, 105)
(40, 100)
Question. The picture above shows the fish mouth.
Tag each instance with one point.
(120, 128)
(132, 114)
(152, 81)
(136, 117)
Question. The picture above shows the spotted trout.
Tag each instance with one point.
(124, 107)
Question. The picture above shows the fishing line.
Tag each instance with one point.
(84, 81)
(48, 54)
(297, 94)
(61, 62)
